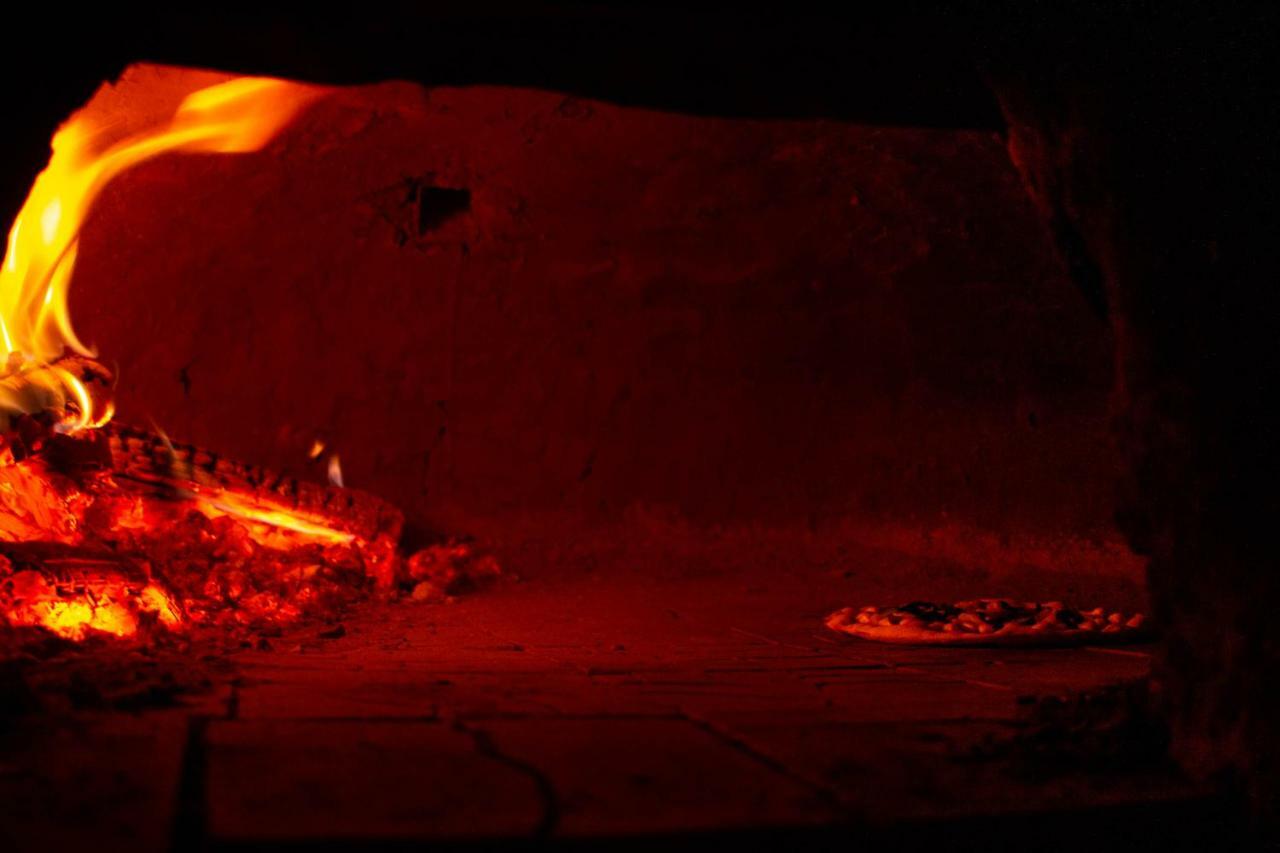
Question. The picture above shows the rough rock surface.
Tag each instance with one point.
(497, 301)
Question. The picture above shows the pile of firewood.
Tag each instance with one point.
(121, 531)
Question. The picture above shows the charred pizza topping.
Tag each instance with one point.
(929, 611)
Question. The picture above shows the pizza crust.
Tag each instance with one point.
(989, 622)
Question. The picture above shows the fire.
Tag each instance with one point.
(43, 361)
(118, 533)
(35, 325)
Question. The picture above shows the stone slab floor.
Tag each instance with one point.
(625, 705)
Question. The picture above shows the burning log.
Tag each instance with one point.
(153, 462)
(114, 529)
(36, 403)
(121, 531)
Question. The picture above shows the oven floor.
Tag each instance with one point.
(626, 705)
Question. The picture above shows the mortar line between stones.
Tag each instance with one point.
(233, 700)
(825, 794)
(542, 783)
(190, 822)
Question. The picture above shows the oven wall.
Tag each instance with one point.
(498, 303)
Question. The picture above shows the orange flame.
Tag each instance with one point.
(35, 326)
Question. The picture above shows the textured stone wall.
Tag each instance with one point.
(494, 301)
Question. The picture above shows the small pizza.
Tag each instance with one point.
(990, 622)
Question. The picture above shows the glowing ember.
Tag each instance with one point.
(99, 600)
